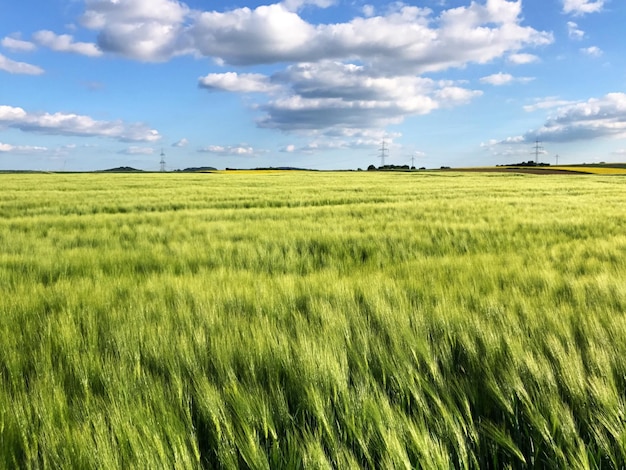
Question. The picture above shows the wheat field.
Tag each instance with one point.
(312, 320)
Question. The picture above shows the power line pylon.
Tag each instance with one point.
(162, 162)
(537, 149)
(384, 153)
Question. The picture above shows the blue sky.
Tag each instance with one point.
(96, 84)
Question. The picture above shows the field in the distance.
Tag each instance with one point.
(312, 320)
(616, 169)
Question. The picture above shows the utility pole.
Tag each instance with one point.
(162, 162)
(537, 149)
(384, 151)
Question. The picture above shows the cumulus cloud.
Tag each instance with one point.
(181, 143)
(17, 45)
(75, 125)
(323, 145)
(408, 38)
(361, 73)
(244, 36)
(146, 30)
(574, 32)
(369, 11)
(22, 149)
(242, 150)
(330, 95)
(15, 67)
(592, 119)
(65, 43)
(366, 72)
(405, 37)
(134, 150)
(547, 103)
(499, 79)
(508, 148)
(295, 5)
(343, 139)
(521, 59)
(592, 51)
(582, 7)
(234, 82)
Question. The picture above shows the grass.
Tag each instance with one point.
(312, 320)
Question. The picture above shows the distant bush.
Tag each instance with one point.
(529, 163)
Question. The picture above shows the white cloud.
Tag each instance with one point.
(521, 59)
(325, 145)
(505, 150)
(581, 7)
(65, 43)
(146, 30)
(547, 103)
(499, 79)
(234, 82)
(101, 13)
(406, 37)
(449, 96)
(333, 95)
(592, 119)
(181, 143)
(295, 5)
(133, 150)
(369, 11)
(574, 32)
(267, 34)
(15, 67)
(17, 45)
(22, 149)
(242, 150)
(74, 124)
(343, 139)
(592, 51)
(361, 73)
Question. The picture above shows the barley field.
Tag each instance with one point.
(312, 320)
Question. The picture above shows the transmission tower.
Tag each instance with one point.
(537, 149)
(162, 162)
(384, 153)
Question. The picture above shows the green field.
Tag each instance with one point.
(312, 320)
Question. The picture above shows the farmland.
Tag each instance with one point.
(312, 320)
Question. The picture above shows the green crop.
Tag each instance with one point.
(312, 320)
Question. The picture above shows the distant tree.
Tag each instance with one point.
(371, 168)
